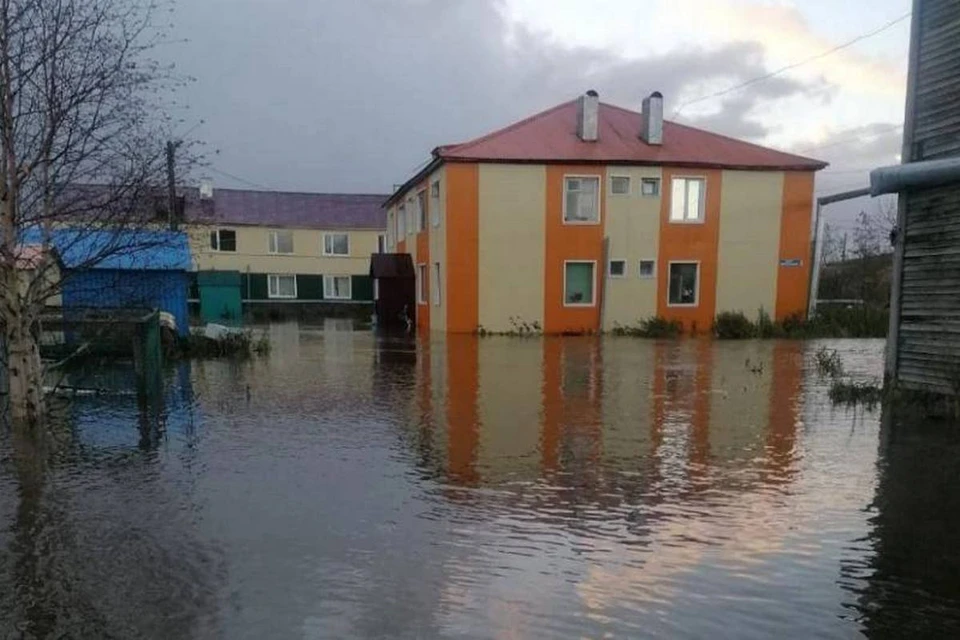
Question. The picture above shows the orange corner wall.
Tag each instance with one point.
(795, 229)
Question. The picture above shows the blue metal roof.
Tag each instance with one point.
(126, 250)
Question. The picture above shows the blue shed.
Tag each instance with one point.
(125, 269)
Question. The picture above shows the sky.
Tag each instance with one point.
(326, 95)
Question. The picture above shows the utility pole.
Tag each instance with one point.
(171, 185)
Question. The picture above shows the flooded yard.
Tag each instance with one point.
(350, 486)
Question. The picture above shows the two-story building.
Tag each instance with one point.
(588, 215)
(283, 254)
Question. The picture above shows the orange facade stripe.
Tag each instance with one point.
(463, 250)
(690, 242)
(423, 257)
(795, 226)
(570, 242)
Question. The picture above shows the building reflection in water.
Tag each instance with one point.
(906, 583)
(590, 414)
(629, 444)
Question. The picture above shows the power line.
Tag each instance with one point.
(239, 179)
(819, 56)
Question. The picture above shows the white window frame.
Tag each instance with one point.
(401, 223)
(391, 229)
(573, 176)
(323, 248)
(703, 201)
(640, 273)
(422, 274)
(275, 278)
(629, 180)
(610, 273)
(435, 203)
(659, 183)
(381, 243)
(411, 216)
(235, 243)
(593, 289)
(328, 287)
(696, 290)
(273, 243)
(435, 285)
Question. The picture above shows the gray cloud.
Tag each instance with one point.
(337, 96)
(852, 154)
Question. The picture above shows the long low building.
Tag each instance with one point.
(587, 215)
(282, 254)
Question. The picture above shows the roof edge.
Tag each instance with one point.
(813, 166)
(432, 166)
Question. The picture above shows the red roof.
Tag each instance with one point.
(551, 136)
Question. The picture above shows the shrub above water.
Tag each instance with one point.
(733, 325)
(655, 327)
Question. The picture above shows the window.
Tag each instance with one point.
(336, 244)
(421, 284)
(620, 185)
(578, 280)
(381, 243)
(336, 287)
(581, 202)
(647, 268)
(281, 242)
(686, 204)
(401, 223)
(650, 187)
(618, 268)
(279, 286)
(391, 230)
(684, 282)
(411, 218)
(223, 240)
(436, 284)
(435, 203)
(422, 210)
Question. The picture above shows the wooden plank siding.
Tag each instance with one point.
(928, 339)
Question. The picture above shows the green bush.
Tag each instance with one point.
(655, 327)
(767, 328)
(733, 325)
(848, 322)
(240, 344)
(855, 393)
(829, 363)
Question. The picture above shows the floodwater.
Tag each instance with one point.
(350, 487)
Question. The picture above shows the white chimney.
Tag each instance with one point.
(588, 116)
(652, 129)
(206, 189)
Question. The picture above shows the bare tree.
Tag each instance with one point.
(82, 133)
(873, 234)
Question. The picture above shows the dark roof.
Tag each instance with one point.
(391, 265)
(551, 137)
(287, 209)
